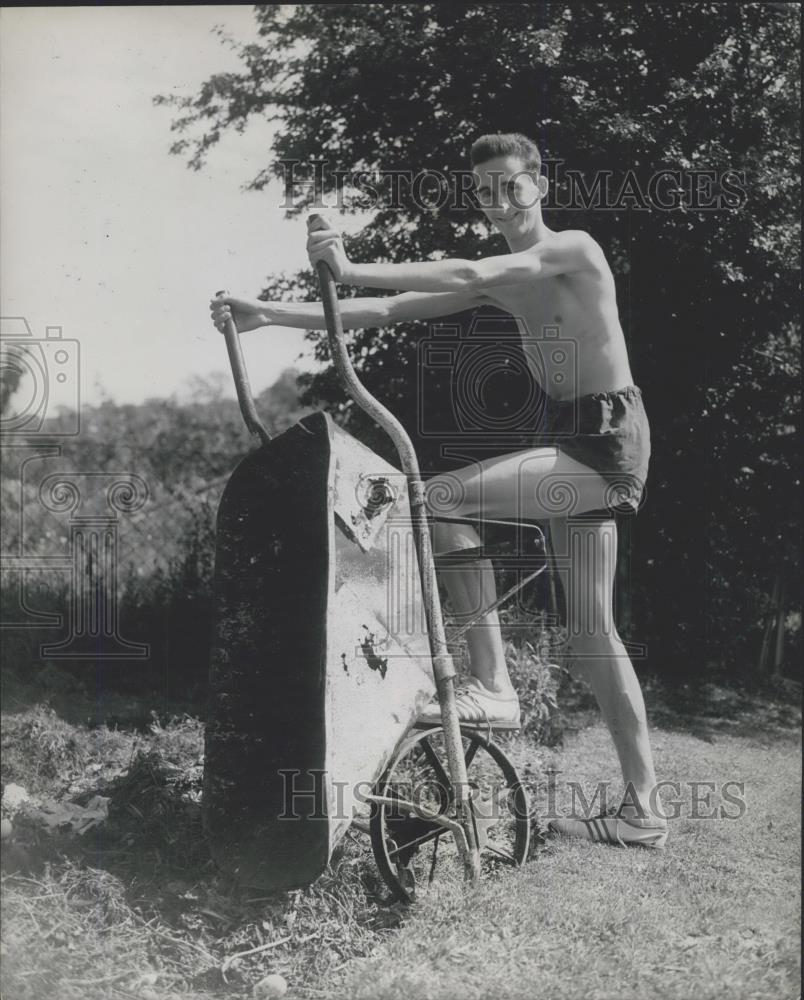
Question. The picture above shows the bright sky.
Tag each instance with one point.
(103, 232)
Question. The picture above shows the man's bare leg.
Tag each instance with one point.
(601, 659)
(508, 487)
(614, 683)
(470, 589)
(530, 486)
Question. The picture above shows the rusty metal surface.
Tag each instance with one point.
(379, 674)
(320, 659)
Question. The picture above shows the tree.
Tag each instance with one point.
(707, 290)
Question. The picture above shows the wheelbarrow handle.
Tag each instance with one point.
(242, 385)
(443, 667)
(348, 377)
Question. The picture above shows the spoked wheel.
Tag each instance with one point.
(413, 854)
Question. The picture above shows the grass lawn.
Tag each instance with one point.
(714, 915)
(135, 909)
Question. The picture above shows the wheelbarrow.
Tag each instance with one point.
(328, 641)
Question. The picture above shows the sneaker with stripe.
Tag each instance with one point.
(478, 707)
(612, 830)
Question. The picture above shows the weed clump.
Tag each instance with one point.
(47, 755)
(155, 806)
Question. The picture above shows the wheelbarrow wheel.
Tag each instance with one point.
(414, 854)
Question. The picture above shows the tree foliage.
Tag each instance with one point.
(708, 297)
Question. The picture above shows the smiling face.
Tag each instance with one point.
(509, 195)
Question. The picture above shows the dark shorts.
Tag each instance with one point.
(608, 432)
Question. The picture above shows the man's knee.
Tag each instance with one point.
(591, 621)
(448, 536)
(595, 648)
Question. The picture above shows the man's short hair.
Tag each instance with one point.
(488, 147)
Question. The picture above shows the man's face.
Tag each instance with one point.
(508, 194)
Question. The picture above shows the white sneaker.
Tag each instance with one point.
(612, 830)
(477, 706)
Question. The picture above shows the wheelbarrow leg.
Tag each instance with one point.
(457, 772)
(443, 667)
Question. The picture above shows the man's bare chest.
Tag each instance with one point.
(548, 304)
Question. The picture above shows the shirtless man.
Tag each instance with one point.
(599, 451)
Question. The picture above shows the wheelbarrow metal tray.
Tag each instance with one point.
(320, 659)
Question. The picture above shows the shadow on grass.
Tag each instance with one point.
(185, 919)
(771, 710)
(703, 709)
(96, 695)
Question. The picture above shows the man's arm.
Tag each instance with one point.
(563, 253)
(358, 313)
(250, 314)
